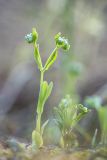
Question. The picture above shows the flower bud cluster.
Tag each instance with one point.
(32, 37)
(61, 42)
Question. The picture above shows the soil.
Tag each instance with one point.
(24, 152)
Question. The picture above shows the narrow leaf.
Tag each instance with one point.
(42, 95)
(37, 56)
(43, 126)
(43, 90)
(49, 90)
(51, 59)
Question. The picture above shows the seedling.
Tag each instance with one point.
(95, 102)
(45, 88)
(67, 115)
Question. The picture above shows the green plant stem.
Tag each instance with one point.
(41, 78)
(38, 122)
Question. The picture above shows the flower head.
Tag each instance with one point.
(61, 42)
(32, 37)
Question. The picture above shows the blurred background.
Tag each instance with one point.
(81, 72)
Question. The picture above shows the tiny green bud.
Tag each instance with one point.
(59, 41)
(66, 45)
(29, 38)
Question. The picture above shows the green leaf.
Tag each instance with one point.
(42, 95)
(34, 34)
(37, 57)
(37, 140)
(45, 92)
(93, 142)
(49, 90)
(51, 59)
(102, 112)
(43, 126)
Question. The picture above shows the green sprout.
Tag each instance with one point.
(102, 113)
(67, 115)
(45, 87)
(96, 103)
